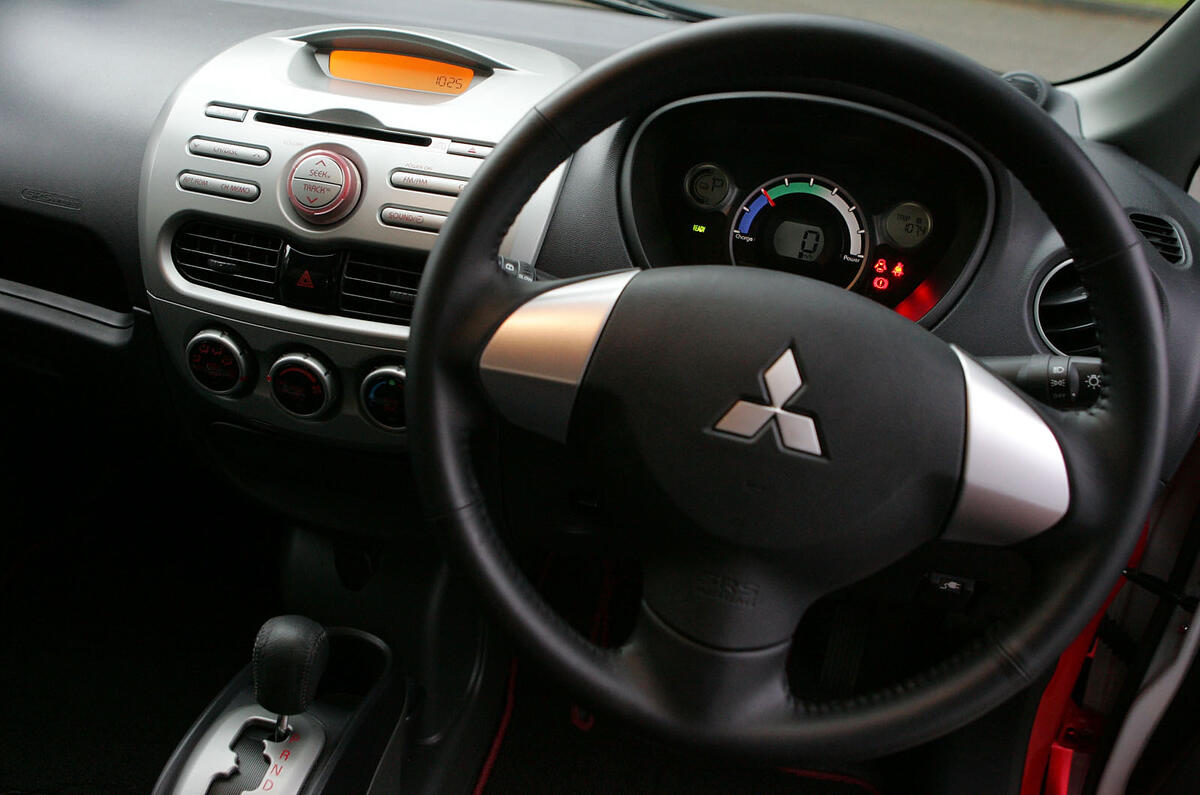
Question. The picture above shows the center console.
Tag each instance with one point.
(311, 713)
(292, 190)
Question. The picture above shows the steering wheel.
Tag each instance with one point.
(728, 413)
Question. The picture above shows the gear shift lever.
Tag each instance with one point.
(290, 653)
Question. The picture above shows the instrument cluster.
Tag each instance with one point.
(826, 189)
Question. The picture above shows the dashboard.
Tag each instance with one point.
(260, 184)
(218, 213)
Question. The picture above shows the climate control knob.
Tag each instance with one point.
(302, 385)
(218, 362)
(323, 186)
(382, 396)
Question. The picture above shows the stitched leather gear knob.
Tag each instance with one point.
(290, 653)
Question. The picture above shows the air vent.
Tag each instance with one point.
(1161, 234)
(229, 258)
(1064, 315)
(381, 286)
(1031, 85)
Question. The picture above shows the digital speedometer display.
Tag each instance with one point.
(805, 242)
(801, 224)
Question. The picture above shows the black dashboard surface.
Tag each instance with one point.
(73, 137)
(84, 82)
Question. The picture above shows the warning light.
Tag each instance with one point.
(880, 283)
(881, 266)
(898, 271)
(699, 228)
(305, 280)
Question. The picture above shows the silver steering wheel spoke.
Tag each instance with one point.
(1014, 481)
(532, 366)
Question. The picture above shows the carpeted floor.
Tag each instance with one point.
(549, 746)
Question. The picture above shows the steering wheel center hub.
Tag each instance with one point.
(744, 421)
(773, 413)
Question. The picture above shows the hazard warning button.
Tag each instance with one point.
(309, 279)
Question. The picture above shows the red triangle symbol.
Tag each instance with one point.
(305, 280)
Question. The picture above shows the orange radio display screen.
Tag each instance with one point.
(399, 71)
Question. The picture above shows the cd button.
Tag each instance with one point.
(239, 153)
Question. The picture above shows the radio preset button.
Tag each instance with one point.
(238, 153)
(218, 186)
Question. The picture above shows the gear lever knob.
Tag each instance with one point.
(290, 653)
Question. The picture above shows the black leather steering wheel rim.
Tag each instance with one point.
(1113, 451)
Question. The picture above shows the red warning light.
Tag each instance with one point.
(898, 271)
(880, 283)
(881, 266)
(305, 280)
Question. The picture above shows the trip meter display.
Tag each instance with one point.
(802, 224)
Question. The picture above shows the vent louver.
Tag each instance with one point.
(381, 286)
(1031, 85)
(1064, 315)
(1161, 234)
(229, 258)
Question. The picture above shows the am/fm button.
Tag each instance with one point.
(428, 183)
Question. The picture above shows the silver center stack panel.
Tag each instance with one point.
(275, 198)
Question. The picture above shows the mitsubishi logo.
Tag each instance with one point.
(796, 431)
